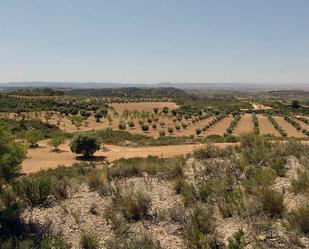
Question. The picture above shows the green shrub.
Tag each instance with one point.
(11, 155)
(115, 217)
(143, 242)
(279, 165)
(205, 190)
(145, 127)
(124, 169)
(206, 152)
(89, 241)
(122, 126)
(272, 202)
(49, 241)
(162, 133)
(233, 203)
(33, 137)
(134, 205)
(34, 190)
(14, 243)
(237, 240)
(170, 130)
(186, 190)
(62, 188)
(198, 131)
(85, 143)
(259, 178)
(301, 184)
(201, 225)
(298, 218)
(94, 209)
(98, 181)
(56, 141)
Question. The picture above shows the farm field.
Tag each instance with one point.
(220, 127)
(290, 129)
(43, 157)
(244, 125)
(143, 106)
(302, 124)
(266, 126)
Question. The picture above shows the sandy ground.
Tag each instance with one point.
(220, 127)
(244, 125)
(266, 126)
(290, 129)
(143, 106)
(44, 158)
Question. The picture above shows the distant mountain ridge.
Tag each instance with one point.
(185, 86)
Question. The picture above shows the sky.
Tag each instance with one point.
(148, 41)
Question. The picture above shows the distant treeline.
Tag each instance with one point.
(136, 92)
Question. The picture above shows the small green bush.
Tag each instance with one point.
(134, 205)
(301, 183)
(34, 190)
(201, 225)
(56, 141)
(237, 240)
(143, 242)
(298, 218)
(98, 181)
(89, 241)
(272, 202)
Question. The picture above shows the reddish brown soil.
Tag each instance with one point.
(290, 129)
(244, 125)
(44, 158)
(266, 126)
(220, 127)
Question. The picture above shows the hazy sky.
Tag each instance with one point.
(154, 40)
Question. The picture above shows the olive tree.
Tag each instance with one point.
(85, 143)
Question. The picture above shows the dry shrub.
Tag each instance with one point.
(98, 181)
(134, 205)
(298, 218)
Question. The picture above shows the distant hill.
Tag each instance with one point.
(185, 86)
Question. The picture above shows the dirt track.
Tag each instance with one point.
(44, 158)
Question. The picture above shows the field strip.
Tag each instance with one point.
(244, 125)
(220, 127)
(290, 129)
(302, 124)
(266, 126)
(44, 158)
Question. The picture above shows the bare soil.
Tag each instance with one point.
(266, 126)
(220, 127)
(290, 129)
(244, 125)
(43, 157)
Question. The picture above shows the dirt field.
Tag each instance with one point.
(44, 158)
(266, 126)
(302, 124)
(220, 127)
(244, 125)
(290, 129)
(143, 106)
